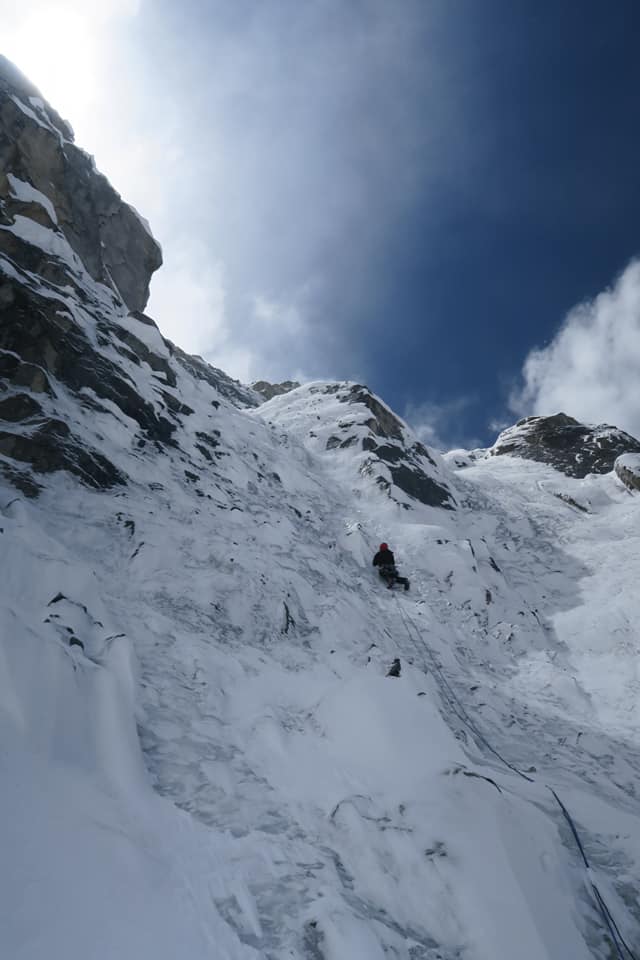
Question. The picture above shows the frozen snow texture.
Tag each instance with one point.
(22, 190)
(204, 754)
(321, 808)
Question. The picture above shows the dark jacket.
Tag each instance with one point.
(384, 558)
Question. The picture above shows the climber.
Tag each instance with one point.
(386, 564)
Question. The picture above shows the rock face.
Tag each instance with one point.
(408, 462)
(334, 417)
(79, 360)
(232, 390)
(50, 186)
(627, 468)
(566, 444)
(269, 390)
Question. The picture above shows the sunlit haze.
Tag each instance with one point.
(414, 194)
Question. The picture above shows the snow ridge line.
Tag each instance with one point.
(609, 922)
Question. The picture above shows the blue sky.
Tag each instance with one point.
(416, 194)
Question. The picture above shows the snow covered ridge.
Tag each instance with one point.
(571, 447)
(365, 439)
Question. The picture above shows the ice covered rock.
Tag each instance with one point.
(627, 468)
(574, 448)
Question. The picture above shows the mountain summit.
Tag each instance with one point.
(222, 736)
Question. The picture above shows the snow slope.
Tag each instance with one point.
(298, 802)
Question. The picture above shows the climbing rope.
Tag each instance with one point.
(612, 926)
(459, 710)
(455, 704)
(453, 700)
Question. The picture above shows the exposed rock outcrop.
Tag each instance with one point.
(75, 265)
(627, 468)
(47, 184)
(269, 390)
(566, 444)
(52, 446)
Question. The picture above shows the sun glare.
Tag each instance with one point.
(58, 54)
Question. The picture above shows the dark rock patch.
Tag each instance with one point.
(391, 454)
(421, 487)
(566, 444)
(207, 438)
(142, 351)
(33, 328)
(384, 423)
(175, 406)
(52, 447)
(22, 480)
(422, 451)
(19, 406)
(269, 390)
(21, 374)
(205, 453)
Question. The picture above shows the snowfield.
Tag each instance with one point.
(281, 796)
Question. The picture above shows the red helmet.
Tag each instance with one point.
(384, 546)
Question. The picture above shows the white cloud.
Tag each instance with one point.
(192, 293)
(498, 424)
(276, 153)
(439, 425)
(285, 142)
(60, 45)
(591, 368)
